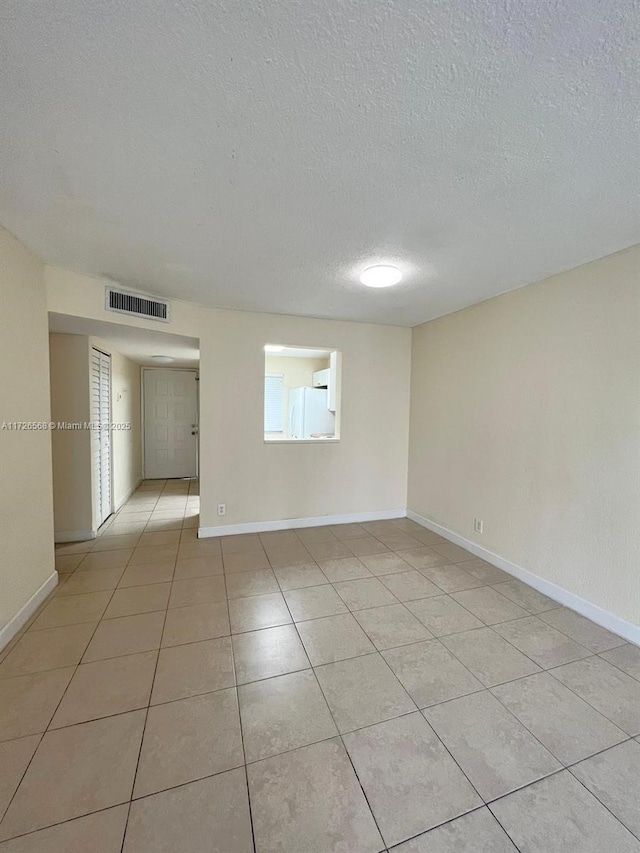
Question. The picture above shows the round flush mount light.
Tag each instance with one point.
(162, 359)
(273, 348)
(380, 276)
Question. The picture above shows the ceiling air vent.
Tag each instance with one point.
(136, 304)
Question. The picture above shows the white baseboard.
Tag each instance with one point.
(121, 503)
(8, 631)
(74, 535)
(601, 617)
(287, 523)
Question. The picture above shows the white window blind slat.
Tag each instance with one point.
(273, 402)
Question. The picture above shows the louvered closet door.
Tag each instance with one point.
(101, 438)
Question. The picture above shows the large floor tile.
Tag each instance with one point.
(310, 800)
(147, 573)
(328, 550)
(191, 564)
(488, 605)
(442, 615)
(138, 599)
(423, 558)
(100, 832)
(364, 593)
(72, 610)
(192, 669)
(348, 569)
(283, 713)
(110, 559)
(526, 596)
(365, 545)
(259, 582)
(485, 572)
(156, 554)
(408, 586)
(240, 543)
(125, 636)
(569, 727)
(453, 553)
(209, 815)
(186, 593)
(28, 702)
(626, 658)
(314, 602)
(540, 642)
(430, 673)
(451, 578)
(245, 561)
(391, 625)
(558, 814)
(98, 761)
(299, 577)
(350, 530)
(399, 541)
(266, 653)
(52, 648)
(410, 781)
(609, 690)
(495, 751)
(614, 778)
(97, 580)
(281, 557)
(490, 658)
(115, 543)
(188, 740)
(107, 687)
(15, 756)
(362, 691)
(315, 534)
(199, 622)
(582, 630)
(258, 611)
(476, 832)
(334, 638)
(384, 564)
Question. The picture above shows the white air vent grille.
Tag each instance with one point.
(125, 302)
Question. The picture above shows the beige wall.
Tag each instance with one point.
(526, 413)
(365, 471)
(26, 517)
(70, 403)
(126, 445)
(297, 373)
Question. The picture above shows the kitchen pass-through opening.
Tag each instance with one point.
(302, 392)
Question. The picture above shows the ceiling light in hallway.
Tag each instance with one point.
(162, 359)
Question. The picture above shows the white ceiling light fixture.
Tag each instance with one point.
(381, 275)
(162, 359)
(273, 348)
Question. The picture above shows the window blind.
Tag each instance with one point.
(273, 402)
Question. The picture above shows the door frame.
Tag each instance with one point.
(144, 370)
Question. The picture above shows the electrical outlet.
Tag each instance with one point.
(222, 509)
(478, 525)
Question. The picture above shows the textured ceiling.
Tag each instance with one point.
(135, 343)
(257, 155)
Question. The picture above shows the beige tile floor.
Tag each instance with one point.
(346, 689)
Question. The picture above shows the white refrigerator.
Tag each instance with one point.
(308, 413)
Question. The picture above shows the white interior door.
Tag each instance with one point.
(101, 434)
(170, 423)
